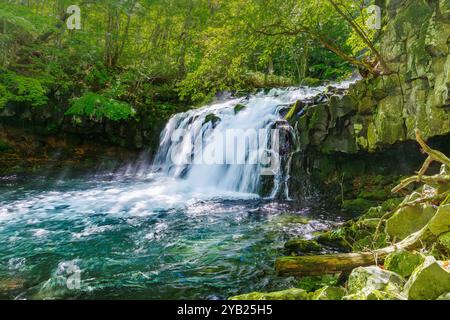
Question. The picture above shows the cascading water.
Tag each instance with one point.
(212, 129)
(194, 230)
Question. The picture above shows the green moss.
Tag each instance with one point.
(302, 246)
(212, 118)
(329, 293)
(290, 294)
(312, 284)
(357, 206)
(238, 108)
(444, 240)
(403, 262)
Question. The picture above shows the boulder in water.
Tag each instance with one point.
(213, 119)
(429, 281)
(238, 108)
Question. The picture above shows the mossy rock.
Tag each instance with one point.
(370, 242)
(334, 239)
(445, 296)
(290, 294)
(312, 284)
(329, 293)
(391, 204)
(357, 206)
(213, 119)
(374, 295)
(444, 240)
(374, 278)
(238, 108)
(441, 221)
(429, 281)
(403, 262)
(408, 220)
(302, 246)
(375, 213)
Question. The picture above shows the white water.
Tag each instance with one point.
(262, 112)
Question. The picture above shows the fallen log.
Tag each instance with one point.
(337, 263)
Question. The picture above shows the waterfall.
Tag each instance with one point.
(234, 134)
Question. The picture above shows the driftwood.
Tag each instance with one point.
(342, 263)
(337, 263)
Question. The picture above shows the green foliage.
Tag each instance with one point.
(22, 89)
(98, 107)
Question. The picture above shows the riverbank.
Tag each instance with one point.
(397, 251)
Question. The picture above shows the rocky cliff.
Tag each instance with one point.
(376, 114)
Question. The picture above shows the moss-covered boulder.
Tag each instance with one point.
(290, 294)
(329, 293)
(302, 246)
(367, 279)
(444, 241)
(441, 221)
(213, 119)
(238, 108)
(403, 262)
(408, 220)
(445, 296)
(429, 281)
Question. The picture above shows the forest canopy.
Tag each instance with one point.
(134, 54)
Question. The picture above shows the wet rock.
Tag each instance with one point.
(329, 293)
(408, 220)
(368, 279)
(238, 108)
(429, 281)
(403, 262)
(213, 119)
(290, 294)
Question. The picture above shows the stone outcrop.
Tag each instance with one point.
(376, 115)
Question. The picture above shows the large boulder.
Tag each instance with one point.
(290, 294)
(403, 262)
(367, 279)
(408, 220)
(441, 221)
(429, 281)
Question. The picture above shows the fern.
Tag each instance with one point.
(98, 107)
(19, 88)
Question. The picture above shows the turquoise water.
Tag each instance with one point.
(139, 238)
